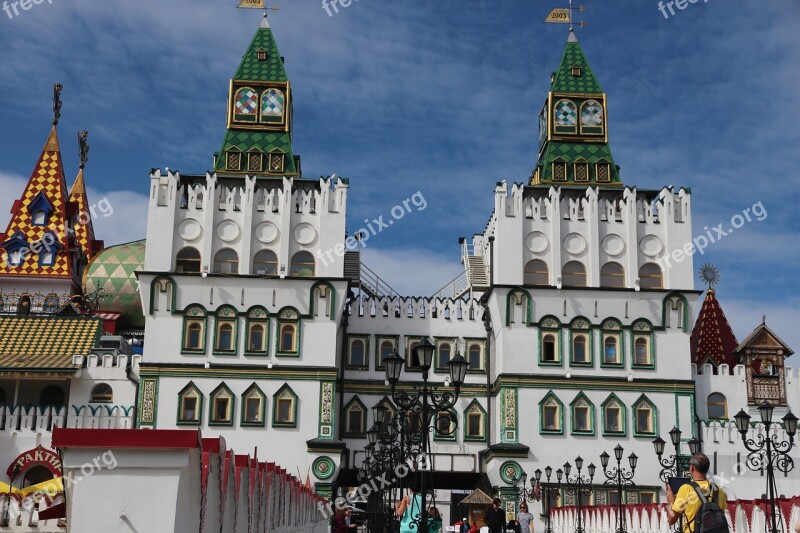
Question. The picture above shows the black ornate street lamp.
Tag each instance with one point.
(675, 465)
(766, 451)
(578, 487)
(620, 478)
(421, 409)
(549, 493)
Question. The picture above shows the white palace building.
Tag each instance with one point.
(227, 332)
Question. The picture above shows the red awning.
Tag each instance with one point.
(59, 510)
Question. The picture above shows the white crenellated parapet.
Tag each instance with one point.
(18, 420)
(21, 515)
(744, 516)
(245, 214)
(441, 309)
(593, 226)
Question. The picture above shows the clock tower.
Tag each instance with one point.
(573, 128)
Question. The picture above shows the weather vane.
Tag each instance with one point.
(257, 4)
(83, 147)
(709, 275)
(563, 15)
(57, 103)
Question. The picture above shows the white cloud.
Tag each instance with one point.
(412, 271)
(12, 186)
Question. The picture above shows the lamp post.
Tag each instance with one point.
(766, 451)
(674, 465)
(577, 487)
(420, 406)
(619, 478)
(548, 491)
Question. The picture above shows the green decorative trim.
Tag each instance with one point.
(550, 326)
(283, 393)
(475, 406)
(452, 436)
(623, 416)
(581, 326)
(257, 315)
(157, 283)
(643, 399)
(228, 371)
(612, 328)
(199, 314)
(327, 414)
(582, 397)
(603, 383)
(190, 387)
(254, 388)
(510, 472)
(509, 415)
(324, 489)
(148, 403)
(229, 316)
(551, 396)
(650, 347)
(365, 354)
(323, 467)
(528, 305)
(665, 312)
(355, 402)
(289, 316)
(331, 300)
(225, 392)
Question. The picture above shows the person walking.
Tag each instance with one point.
(524, 519)
(495, 517)
(687, 503)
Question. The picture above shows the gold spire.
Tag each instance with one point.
(52, 142)
(78, 187)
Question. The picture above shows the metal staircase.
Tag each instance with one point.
(365, 279)
(475, 277)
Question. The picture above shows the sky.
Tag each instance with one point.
(437, 98)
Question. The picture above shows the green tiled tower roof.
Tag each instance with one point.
(564, 81)
(254, 70)
(261, 68)
(114, 271)
(578, 137)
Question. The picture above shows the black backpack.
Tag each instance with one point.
(710, 517)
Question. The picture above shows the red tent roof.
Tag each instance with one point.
(712, 339)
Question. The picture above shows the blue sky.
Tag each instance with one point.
(439, 97)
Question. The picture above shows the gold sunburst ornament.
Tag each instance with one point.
(709, 275)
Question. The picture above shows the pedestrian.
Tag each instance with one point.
(407, 509)
(434, 520)
(495, 517)
(687, 503)
(350, 522)
(339, 522)
(524, 519)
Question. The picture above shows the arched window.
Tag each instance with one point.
(245, 105)
(51, 396)
(226, 262)
(474, 422)
(566, 115)
(253, 406)
(265, 263)
(443, 353)
(475, 356)
(717, 406)
(288, 335)
(358, 353)
(187, 260)
(579, 352)
(610, 350)
(573, 274)
(582, 415)
(225, 337)
(536, 273)
(284, 406)
(35, 475)
(194, 334)
(445, 425)
(641, 351)
(551, 414)
(644, 417)
(387, 348)
(650, 277)
(255, 338)
(591, 117)
(302, 265)
(355, 418)
(272, 105)
(288, 332)
(613, 416)
(194, 329)
(102, 393)
(612, 275)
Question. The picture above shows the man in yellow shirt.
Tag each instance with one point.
(686, 504)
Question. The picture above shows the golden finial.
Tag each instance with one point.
(83, 147)
(57, 103)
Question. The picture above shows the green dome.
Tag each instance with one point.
(113, 270)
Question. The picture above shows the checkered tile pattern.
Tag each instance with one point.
(246, 102)
(272, 103)
(114, 271)
(566, 115)
(48, 177)
(592, 114)
(84, 230)
(253, 69)
(46, 342)
(565, 82)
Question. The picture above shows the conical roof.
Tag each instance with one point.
(712, 338)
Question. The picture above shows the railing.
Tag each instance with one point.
(374, 285)
(455, 288)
